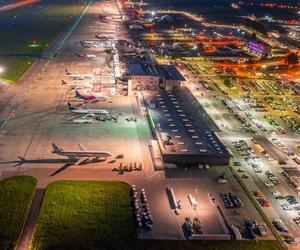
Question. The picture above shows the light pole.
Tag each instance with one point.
(1, 71)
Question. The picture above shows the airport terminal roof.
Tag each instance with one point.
(177, 127)
(145, 69)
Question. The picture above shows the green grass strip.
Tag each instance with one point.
(16, 194)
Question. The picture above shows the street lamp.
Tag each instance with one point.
(1, 70)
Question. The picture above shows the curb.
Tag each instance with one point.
(18, 241)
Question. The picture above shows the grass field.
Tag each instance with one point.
(7, 16)
(84, 215)
(16, 194)
(15, 67)
(98, 215)
(16, 47)
(41, 29)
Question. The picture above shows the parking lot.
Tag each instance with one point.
(211, 210)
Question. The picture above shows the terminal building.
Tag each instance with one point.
(149, 76)
(146, 74)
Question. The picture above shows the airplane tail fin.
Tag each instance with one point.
(90, 85)
(70, 106)
(77, 94)
(56, 149)
(21, 158)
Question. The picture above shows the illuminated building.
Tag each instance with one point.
(259, 48)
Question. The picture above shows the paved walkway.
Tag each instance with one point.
(34, 211)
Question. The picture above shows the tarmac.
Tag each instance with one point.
(37, 115)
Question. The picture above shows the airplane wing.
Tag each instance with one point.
(93, 101)
(85, 116)
(81, 160)
(82, 148)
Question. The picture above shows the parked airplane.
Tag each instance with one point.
(88, 46)
(88, 42)
(77, 85)
(79, 76)
(106, 38)
(88, 56)
(91, 96)
(101, 37)
(87, 111)
(82, 154)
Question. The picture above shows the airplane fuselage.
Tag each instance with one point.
(80, 76)
(79, 86)
(76, 154)
(90, 111)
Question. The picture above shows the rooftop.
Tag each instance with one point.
(178, 130)
(169, 72)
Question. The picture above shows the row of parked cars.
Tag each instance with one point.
(280, 226)
(230, 200)
(261, 199)
(235, 110)
(279, 144)
(291, 123)
(292, 203)
(272, 178)
(290, 180)
(249, 155)
(141, 209)
(297, 220)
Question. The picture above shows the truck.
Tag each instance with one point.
(193, 201)
(236, 232)
(262, 229)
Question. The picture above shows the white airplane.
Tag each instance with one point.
(104, 37)
(91, 97)
(101, 37)
(79, 76)
(87, 111)
(88, 46)
(82, 155)
(99, 95)
(78, 85)
(88, 42)
(88, 56)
